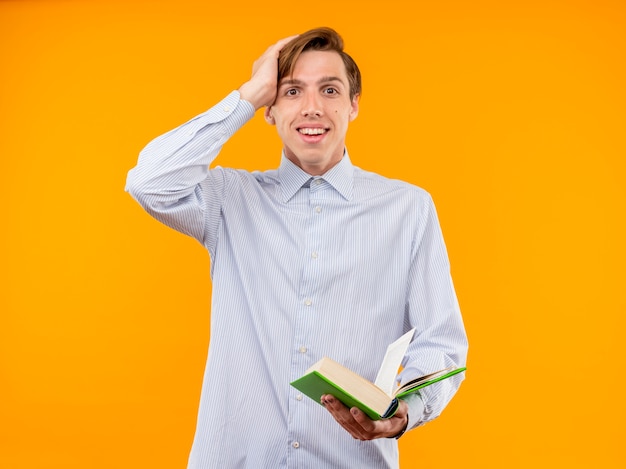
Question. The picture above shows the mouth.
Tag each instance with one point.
(312, 131)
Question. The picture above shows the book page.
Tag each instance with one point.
(393, 358)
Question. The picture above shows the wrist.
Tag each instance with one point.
(255, 95)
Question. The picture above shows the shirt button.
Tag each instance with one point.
(295, 444)
(317, 182)
(314, 254)
(226, 108)
(308, 302)
(318, 209)
(299, 397)
(302, 349)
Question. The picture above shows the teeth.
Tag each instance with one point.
(312, 131)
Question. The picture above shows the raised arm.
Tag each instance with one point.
(171, 180)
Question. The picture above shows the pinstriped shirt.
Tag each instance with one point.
(302, 267)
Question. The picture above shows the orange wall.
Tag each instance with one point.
(512, 114)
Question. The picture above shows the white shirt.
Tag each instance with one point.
(338, 265)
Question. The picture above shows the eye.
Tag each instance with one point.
(330, 90)
(291, 92)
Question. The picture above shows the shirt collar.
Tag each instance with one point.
(292, 177)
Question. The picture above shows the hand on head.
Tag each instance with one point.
(260, 90)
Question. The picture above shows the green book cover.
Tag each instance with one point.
(315, 385)
(329, 377)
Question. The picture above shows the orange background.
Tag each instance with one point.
(512, 114)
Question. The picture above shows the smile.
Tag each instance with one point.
(312, 131)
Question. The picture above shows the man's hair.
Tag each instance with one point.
(319, 39)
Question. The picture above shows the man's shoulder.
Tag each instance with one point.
(369, 182)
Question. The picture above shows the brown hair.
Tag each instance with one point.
(319, 39)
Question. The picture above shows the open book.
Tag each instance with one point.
(378, 400)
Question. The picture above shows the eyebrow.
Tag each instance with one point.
(293, 81)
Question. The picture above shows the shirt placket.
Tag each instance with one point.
(304, 352)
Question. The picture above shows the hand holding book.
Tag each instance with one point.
(378, 400)
(363, 428)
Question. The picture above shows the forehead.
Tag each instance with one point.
(313, 64)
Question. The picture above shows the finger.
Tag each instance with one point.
(367, 424)
(283, 42)
(338, 410)
(274, 50)
(344, 417)
(270, 56)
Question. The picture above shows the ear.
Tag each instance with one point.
(354, 111)
(269, 118)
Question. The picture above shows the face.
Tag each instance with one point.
(312, 111)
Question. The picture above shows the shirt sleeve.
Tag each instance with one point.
(171, 180)
(432, 308)
(416, 409)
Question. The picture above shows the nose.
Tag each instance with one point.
(311, 106)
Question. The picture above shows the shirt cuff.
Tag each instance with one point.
(416, 409)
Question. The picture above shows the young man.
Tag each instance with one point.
(316, 258)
